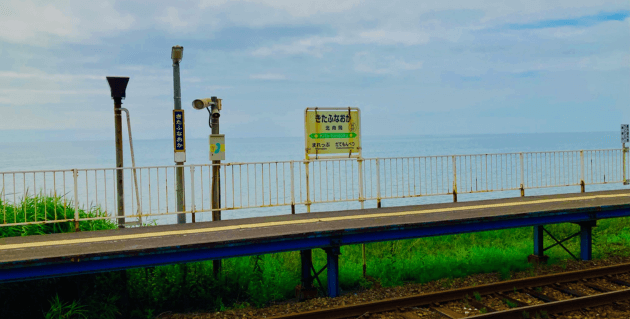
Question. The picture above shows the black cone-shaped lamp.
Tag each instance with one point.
(118, 86)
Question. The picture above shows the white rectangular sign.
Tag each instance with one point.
(217, 147)
(332, 131)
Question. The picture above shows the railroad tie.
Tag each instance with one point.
(447, 312)
(569, 291)
(539, 295)
(517, 302)
(618, 281)
(596, 287)
(480, 305)
(410, 315)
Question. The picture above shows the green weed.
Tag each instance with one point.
(510, 303)
(64, 310)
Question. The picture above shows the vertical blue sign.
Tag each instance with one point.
(179, 140)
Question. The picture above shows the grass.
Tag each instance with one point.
(260, 280)
(47, 208)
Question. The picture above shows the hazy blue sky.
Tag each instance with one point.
(413, 67)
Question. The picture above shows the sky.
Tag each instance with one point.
(412, 67)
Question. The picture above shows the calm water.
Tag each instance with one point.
(100, 154)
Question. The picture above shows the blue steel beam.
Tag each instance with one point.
(332, 268)
(17, 271)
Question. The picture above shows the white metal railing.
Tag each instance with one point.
(151, 194)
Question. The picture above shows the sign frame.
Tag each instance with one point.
(350, 154)
(179, 152)
(213, 139)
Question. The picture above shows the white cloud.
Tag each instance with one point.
(219, 87)
(49, 77)
(172, 18)
(304, 8)
(312, 45)
(40, 24)
(368, 63)
(386, 37)
(267, 76)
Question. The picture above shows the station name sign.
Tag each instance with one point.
(332, 131)
(179, 139)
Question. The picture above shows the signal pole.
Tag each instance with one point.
(177, 53)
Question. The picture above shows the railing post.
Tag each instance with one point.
(360, 167)
(582, 186)
(292, 166)
(192, 192)
(522, 176)
(75, 175)
(454, 179)
(308, 188)
(378, 183)
(624, 150)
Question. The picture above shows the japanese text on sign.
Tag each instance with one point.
(625, 133)
(179, 140)
(333, 131)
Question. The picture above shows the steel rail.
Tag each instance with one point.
(562, 305)
(458, 294)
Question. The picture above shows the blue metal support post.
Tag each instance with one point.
(586, 239)
(539, 247)
(307, 265)
(333, 271)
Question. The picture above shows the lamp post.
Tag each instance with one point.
(213, 106)
(118, 86)
(177, 53)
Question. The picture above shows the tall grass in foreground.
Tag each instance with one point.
(259, 280)
(48, 208)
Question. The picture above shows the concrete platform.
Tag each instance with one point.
(71, 253)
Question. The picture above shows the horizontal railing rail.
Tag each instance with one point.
(74, 195)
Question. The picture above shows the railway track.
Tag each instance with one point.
(536, 297)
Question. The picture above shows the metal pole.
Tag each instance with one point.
(216, 190)
(120, 197)
(582, 187)
(308, 190)
(179, 171)
(454, 179)
(624, 150)
(75, 176)
(360, 173)
(133, 164)
(378, 184)
(292, 187)
(522, 176)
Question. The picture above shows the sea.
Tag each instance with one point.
(54, 155)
